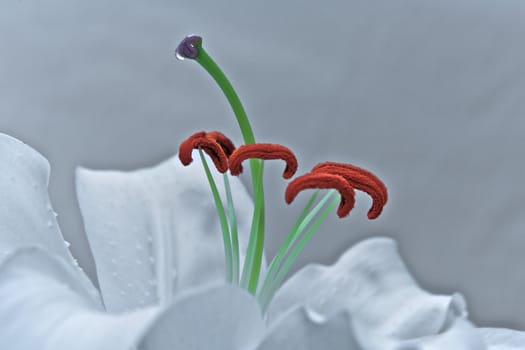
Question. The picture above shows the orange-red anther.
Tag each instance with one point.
(362, 180)
(323, 181)
(226, 144)
(207, 144)
(264, 151)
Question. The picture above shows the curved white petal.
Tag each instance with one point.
(44, 306)
(303, 328)
(503, 339)
(154, 232)
(26, 214)
(371, 282)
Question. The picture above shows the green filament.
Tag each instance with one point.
(222, 218)
(233, 228)
(252, 265)
(290, 238)
(267, 295)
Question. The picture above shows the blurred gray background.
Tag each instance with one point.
(430, 95)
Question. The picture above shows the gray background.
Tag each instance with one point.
(428, 94)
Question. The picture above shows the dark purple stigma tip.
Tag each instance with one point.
(189, 47)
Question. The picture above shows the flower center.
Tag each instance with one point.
(336, 177)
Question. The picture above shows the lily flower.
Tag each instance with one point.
(168, 281)
(160, 268)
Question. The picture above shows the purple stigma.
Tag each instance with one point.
(189, 47)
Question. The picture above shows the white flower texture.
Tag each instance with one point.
(156, 241)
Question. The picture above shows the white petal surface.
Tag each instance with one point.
(371, 282)
(503, 339)
(224, 317)
(26, 214)
(43, 306)
(154, 232)
(461, 335)
(302, 329)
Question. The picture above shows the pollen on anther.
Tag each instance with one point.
(323, 181)
(362, 180)
(209, 145)
(265, 151)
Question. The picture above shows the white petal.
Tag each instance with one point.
(26, 214)
(372, 283)
(460, 336)
(43, 306)
(224, 317)
(155, 231)
(503, 339)
(302, 328)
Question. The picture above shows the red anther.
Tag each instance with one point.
(226, 144)
(264, 151)
(362, 180)
(323, 181)
(209, 145)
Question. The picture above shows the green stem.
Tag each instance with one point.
(257, 233)
(222, 218)
(233, 228)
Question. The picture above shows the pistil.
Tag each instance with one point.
(191, 48)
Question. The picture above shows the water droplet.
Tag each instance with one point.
(75, 262)
(315, 316)
(48, 207)
(139, 247)
(67, 244)
(123, 293)
(179, 56)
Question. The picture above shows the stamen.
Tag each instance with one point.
(264, 151)
(189, 47)
(362, 180)
(323, 181)
(208, 145)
